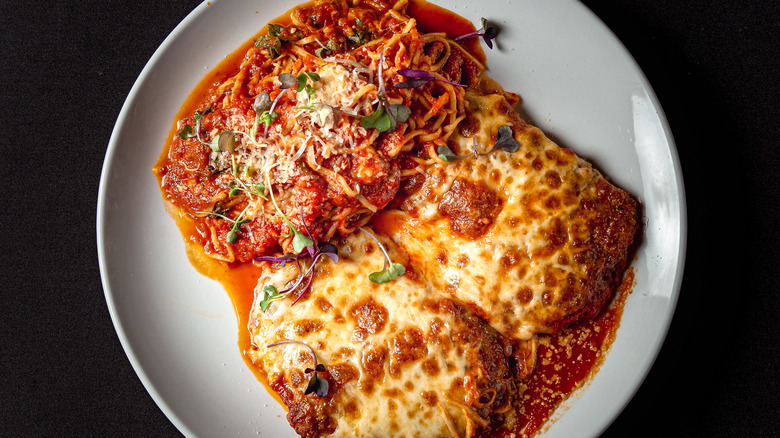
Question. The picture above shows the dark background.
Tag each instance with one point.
(67, 66)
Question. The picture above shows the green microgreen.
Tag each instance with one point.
(505, 140)
(446, 154)
(303, 83)
(300, 241)
(267, 117)
(360, 35)
(330, 47)
(272, 41)
(390, 271)
(236, 223)
(270, 294)
(317, 384)
(488, 34)
(264, 107)
(387, 115)
(189, 131)
(315, 252)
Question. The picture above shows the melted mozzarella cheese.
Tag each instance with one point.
(548, 250)
(401, 360)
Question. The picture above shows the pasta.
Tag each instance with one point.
(310, 147)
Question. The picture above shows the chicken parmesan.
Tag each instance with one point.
(412, 258)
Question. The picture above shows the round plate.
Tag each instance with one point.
(576, 81)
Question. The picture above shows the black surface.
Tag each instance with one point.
(67, 67)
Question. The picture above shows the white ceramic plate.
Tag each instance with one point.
(577, 82)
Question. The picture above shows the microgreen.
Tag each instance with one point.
(420, 77)
(387, 115)
(322, 110)
(236, 223)
(188, 131)
(264, 107)
(254, 189)
(488, 34)
(330, 47)
(317, 384)
(446, 154)
(390, 271)
(270, 294)
(360, 35)
(505, 140)
(300, 241)
(226, 141)
(272, 42)
(314, 251)
(303, 83)
(275, 29)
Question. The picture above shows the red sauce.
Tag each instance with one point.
(432, 18)
(566, 361)
(573, 355)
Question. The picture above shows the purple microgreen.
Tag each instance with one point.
(412, 83)
(283, 259)
(419, 78)
(488, 34)
(390, 271)
(317, 384)
(331, 251)
(416, 74)
(301, 242)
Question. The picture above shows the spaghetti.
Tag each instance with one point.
(330, 171)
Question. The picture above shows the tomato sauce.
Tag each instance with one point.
(565, 361)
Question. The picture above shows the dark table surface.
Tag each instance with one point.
(67, 66)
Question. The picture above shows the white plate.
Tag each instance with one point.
(577, 82)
